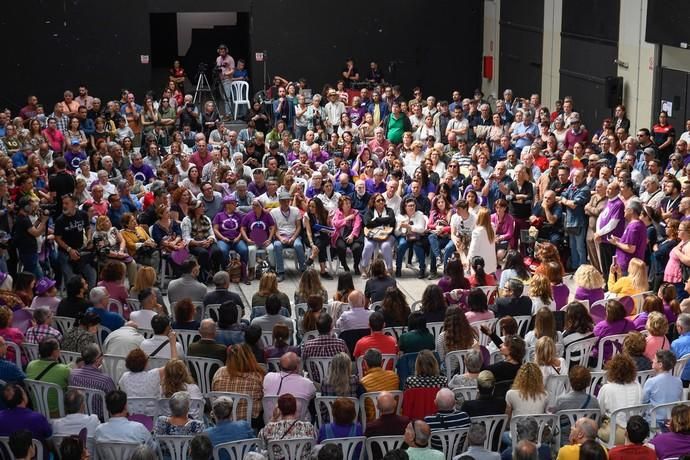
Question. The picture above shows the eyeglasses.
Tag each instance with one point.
(380, 200)
(452, 166)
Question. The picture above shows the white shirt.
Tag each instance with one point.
(73, 423)
(481, 246)
(394, 202)
(119, 429)
(145, 384)
(613, 396)
(331, 204)
(418, 221)
(286, 222)
(150, 345)
(143, 318)
(458, 224)
(122, 340)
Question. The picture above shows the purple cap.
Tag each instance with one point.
(44, 285)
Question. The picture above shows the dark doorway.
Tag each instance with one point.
(674, 88)
(588, 51)
(522, 34)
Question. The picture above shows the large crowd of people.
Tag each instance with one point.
(543, 235)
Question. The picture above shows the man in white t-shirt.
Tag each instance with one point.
(269, 199)
(461, 225)
(288, 227)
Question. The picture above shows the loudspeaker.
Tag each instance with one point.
(613, 91)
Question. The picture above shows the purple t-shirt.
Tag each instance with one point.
(257, 228)
(20, 418)
(671, 444)
(635, 234)
(228, 224)
(592, 295)
(255, 189)
(144, 173)
(373, 188)
(561, 292)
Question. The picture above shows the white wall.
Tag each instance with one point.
(637, 60)
(551, 52)
(492, 16)
(188, 21)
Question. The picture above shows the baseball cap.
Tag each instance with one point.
(649, 151)
(44, 285)
(284, 196)
(230, 199)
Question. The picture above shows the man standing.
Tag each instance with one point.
(520, 196)
(574, 200)
(395, 124)
(334, 109)
(611, 222)
(226, 64)
(525, 133)
(70, 228)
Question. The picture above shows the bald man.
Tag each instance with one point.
(356, 317)
(584, 429)
(389, 422)
(207, 347)
(526, 450)
(417, 437)
(289, 380)
(447, 416)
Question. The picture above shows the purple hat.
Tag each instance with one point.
(44, 285)
(230, 199)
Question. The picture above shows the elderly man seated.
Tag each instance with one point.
(227, 430)
(447, 416)
(75, 418)
(584, 429)
(417, 436)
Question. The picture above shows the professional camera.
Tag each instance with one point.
(202, 68)
(99, 244)
(48, 208)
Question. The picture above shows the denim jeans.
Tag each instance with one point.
(31, 265)
(70, 268)
(278, 254)
(435, 243)
(227, 96)
(240, 247)
(578, 247)
(416, 246)
(448, 251)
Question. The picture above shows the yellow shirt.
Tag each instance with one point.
(377, 379)
(623, 287)
(569, 452)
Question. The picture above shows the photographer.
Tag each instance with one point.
(25, 234)
(70, 228)
(225, 65)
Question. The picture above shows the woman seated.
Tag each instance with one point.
(178, 423)
(457, 334)
(341, 380)
(110, 243)
(176, 377)
(348, 233)
(514, 268)
(473, 366)
(560, 292)
(657, 326)
(138, 243)
(614, 323)
(167, 234)
(137, 381)
(541, 294)
(410, 230)
(417, 337)
(635, 282)
(479, 276)
(620, 390)
(578, 397)
(477, 305)
(285, 424)
(427, 373)
(578, 324)
(197, 232)
(281, 343)
(527, 395)
(634, 345)
(83, 332)
(380, 280)
(242, 374)
(184, 315)
(669, 295)
(649, 304)
(454, 277)
(310, 284)
(315, 222)
(507, 325)
(434, 304)
(268, 285)
(113, 279)
(395, 309)
(379, 223)
(9, 333)
(146, 279)
(676, 442)
(589, 284)
(513, 351)
(311, 316)
(544, 326)
(344, 424)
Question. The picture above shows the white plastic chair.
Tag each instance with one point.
(17, 352)
(494, 426)
(118, 306)
(654, 413)
(116, 450)
(483, 339)
(615, 342)
(143, 406)
(114, 366)
(236, 450)
(92, 396)
(597, 380)
(489, 291)
(294, 448)
(395, 331)
(299, 310)
(204, 369)
(63, 323)
(176, 447)
(215, 308)
(309, 335)
(349, 446)
(387, 362)
(383, 444)
(133, 304)
(326, 402)
(5, 445)
(548, 426)
(578, 353)
(147, 333)
(680, 365)
(239, 400)
(643, 376)
(435, 329)
(186, 338)
(69, 357)
(101, 335)
(40, 391)
(628, 411)
(318, 369)
(239, 93)
(467, 393)
(454, 362)
(450, 440)
(556, 385)
(373, 395)
(416, 305)
(31, 351)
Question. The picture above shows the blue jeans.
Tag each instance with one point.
(448, 251)
(227, 96)
(69, 268)
(278, 254)
(417, 247)
(240, 247)
(578, 247)
(31, 265)
(435, 243)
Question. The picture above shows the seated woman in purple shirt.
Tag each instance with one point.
(669, 296)
(651, 303)
(561, 292)
(589, 284)
(343, 425)
(676, 442)
(615, 323)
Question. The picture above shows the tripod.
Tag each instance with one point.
(203, 86)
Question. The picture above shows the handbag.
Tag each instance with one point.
(379, 233)
(178, 256)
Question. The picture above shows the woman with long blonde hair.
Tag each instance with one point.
(483, 241)
(635, 282)
(241, 374)
(341, 381)
(547, 358)
(541, 293)
(176, 377)
(310, 284)
(268, 284)
(146, 278)
(528, 395)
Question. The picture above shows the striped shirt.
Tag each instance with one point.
(93, 378)
(445, 420)
(377, 379)
(36, 334)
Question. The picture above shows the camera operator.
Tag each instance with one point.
(225, 65)
(25, 234)
(70, 228)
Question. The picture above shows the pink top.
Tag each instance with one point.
(13, 335)
(673, 272)
(473, 316)
(505, 229)
(116, 290)
(338, 222)
(654, 344)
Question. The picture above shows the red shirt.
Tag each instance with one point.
(632, 452)
(386, 344)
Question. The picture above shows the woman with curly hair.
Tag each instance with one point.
(620, 390)
(541, 293)
(176, 377)
(589, 284)
(527, 395)
(634, 345)
(310, 284)
(242, 374)
(457, 333)
(395, 309)
(113, 279)
(545, 253)
(657, 326)
(433, 304)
